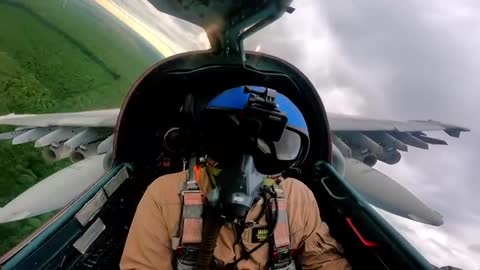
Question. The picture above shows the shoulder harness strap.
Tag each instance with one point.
(280, 250)
(190, 230)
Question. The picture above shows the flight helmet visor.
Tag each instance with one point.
(256, 121)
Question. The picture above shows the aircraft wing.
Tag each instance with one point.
(369, 140)
(98, 118)
(366, 140)
(361, 142)
(340, 122)
(76, 135)
(84, 137)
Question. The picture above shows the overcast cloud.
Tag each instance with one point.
(396, 60)
(402, 60)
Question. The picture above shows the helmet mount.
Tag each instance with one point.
(256, 121)
(262, 115)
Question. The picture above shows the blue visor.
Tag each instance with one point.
(236, 99)
(232, 99)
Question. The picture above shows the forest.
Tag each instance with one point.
(58, 58)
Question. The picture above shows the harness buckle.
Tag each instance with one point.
(281, 254)
(188, 253)
(281, 258)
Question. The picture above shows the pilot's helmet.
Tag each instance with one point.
(257, 121)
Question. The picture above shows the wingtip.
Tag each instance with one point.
(452, 130)
(464, 129)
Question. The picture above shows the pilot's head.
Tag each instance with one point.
(251, 132)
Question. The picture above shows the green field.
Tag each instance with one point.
(58, 57)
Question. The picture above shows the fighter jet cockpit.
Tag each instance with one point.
(151, 138)
(155, 127)
(188, 114)
(155, 111)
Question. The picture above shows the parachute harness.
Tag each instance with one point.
(197, 237)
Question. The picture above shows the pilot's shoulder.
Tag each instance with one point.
(166, 188)
(296, 189)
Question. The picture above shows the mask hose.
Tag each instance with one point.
(213, 222)
(270, 235)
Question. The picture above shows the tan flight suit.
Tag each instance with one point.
(156, 221)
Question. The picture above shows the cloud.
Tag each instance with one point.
(328, 70)
(402, 60)
(436, 244)
(395, 60)
(475, 248)
(421, 58)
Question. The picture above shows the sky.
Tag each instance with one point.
(402, 60)
(398, 60)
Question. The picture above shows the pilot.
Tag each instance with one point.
(232, 209)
